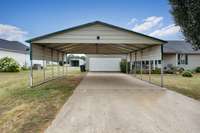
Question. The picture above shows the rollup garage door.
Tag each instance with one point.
(104, 64)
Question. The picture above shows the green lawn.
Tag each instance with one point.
(30, 110)
(187, 86)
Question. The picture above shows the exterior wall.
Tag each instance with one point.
(193, 61)
(88, 56)
(152, 53)
(89, 34)
(38, 53)
(81, 62)
(22, 59)
(170, 59)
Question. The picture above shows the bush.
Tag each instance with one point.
(173, 70)
(24, 68)
(180, 69)
(156, 71)
(9, 65)
(197, 70)
(123, 66)
(187, 74)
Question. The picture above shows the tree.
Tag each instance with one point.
(187, 15)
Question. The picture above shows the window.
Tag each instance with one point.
(186, 59)
(182, 59)
(179, 59)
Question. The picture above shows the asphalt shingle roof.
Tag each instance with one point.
(13, 46)
(179, 47)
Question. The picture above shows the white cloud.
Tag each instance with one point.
(132, 21)
(166, 31)
(148, 24)
(11, 33)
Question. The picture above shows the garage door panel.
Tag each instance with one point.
(104, 64)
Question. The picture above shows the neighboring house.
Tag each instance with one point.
(175, 53)
(74, 62)
(181, 54)
(15, 50)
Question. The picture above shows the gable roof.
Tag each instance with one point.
(92, 23)
(13, 46)
(179, 47)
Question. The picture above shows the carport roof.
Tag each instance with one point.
(91, 23)
(96, 47)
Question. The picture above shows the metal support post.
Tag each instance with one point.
(31, 67)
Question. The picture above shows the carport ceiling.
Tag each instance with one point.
(96, 38)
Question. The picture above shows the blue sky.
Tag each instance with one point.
(24, 19)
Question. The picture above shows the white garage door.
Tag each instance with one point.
(104, 64)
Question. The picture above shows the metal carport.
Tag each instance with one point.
(93, 38)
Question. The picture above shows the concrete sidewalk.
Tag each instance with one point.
(119, 103)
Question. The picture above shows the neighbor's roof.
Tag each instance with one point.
(179, 47)
(92, 23)
(13, 46)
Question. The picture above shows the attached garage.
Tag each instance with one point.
(104, 64)
(104, 44)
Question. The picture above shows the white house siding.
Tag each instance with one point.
(170, 59)
(89, 34)
(19, 57)
(193, 61)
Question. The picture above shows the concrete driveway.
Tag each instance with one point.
(119, 103)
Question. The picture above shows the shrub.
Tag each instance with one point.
(9, 65)
(156, 71)
(197, 70)
(123, 66)
(180, 70)
(24, 68)
(187, 74)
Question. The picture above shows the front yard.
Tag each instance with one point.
(30, 110)
(185, 85)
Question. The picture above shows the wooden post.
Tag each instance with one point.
(31, 67)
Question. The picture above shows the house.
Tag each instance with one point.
(76, 62)
(180, 54)
(15, 50)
